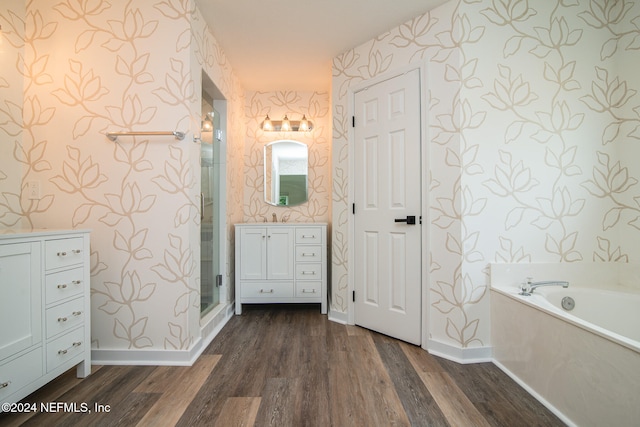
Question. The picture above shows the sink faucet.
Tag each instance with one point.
(528, 286)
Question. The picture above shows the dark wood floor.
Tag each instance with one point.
(290, 366)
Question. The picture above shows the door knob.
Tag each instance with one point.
(410, 219)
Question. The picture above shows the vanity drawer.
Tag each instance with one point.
(267, 290)
(308, 253)
(63, 252)
(311, 290)
(19, 372)
(65, 348)
(64, 284)
(306, 271)
(65, 316)
(308, 235)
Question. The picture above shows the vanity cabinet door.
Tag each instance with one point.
(253, 253)
(266, 253)
(280, 253)
(21, 296)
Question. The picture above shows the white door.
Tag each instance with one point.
(388, 190)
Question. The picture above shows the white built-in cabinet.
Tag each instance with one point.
(44, 309)
(281, 263)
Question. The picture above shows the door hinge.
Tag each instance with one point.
(353, 208)
(353, 296)
(353, 121)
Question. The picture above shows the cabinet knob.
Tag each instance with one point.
(61, 352)
(76, 251)
(62, 319)
(76, 282)
(62, 254)
(62, 286)
(5, 384)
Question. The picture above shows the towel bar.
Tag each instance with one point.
(114, 135)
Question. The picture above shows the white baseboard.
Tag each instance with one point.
(159, 357)
(458, 354)
(338, 317)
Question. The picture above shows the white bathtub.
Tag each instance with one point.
(584, 364)
(612, 314)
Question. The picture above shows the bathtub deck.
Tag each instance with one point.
(290, 366)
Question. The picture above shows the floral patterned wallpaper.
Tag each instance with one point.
(92, 67)
(533, 121)
(315, 105)
(12, 49)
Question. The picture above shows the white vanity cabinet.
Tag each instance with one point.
(281, 263)
(44, 309)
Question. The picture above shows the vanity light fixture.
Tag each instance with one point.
(286, 125)
(207, 125)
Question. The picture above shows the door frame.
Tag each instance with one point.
(220, 105)
(424, 172)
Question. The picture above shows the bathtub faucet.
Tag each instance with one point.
(528, 286)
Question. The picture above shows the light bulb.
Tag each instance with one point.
(266, 124)
(286, 125)
(304, 124)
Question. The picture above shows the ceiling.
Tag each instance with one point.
(286, 44)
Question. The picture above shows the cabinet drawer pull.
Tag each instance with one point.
(309, 273)
(76, 251)
(308, 291)
(262, 291)
(64, 319)
(65, 286)
(62, 254)
(306, 236)
(5, 384)
(66, 350)
(308, 254)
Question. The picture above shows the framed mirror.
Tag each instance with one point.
(285, 173)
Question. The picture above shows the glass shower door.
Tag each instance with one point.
(210, 213)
